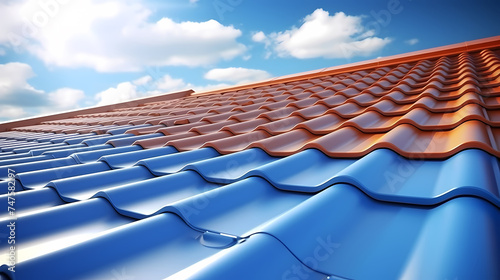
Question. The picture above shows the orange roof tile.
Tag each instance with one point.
(395, 102)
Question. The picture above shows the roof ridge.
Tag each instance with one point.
(415, 56)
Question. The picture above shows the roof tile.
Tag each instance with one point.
(294, 165)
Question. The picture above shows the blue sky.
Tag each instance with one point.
(59, 55)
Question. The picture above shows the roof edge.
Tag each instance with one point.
(5, 126)
(467, 46)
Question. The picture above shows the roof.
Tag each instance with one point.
(382, 169)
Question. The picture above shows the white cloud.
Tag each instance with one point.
(412, 42)
(143, 80)
(122, 92)
(8, 112)
(112, 35)
(209, 87)
(324, 35)
(259, 37)
(167, 83)
(148, 86)
(65, 98)
(237, 75)
(14, 87)
(142, 87)
(19, 99)
(193, 1)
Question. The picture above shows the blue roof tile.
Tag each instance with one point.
(260, 257)
(73, 138)
(252, 200)
(29, 201)
(20, 147)
(232, 167)
(37, 165)
(124, 128)
(146, 198)
(9, 155)
(216, 202)
(85, 186)
(90, 137)
(53, 147)
(15, 161)
(39, 178)
(130, 158)
(94, 155)
(130, 140)
(426, 182)
(155, 248)
(306, 171)
(104, 139)
(4, 186)
(46, 137)
(65, 153)
(414, 242)
(63, 225)
(173, 163)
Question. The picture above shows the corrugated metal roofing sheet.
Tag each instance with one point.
(378, 170)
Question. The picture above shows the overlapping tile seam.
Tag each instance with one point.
(321, 146)
(250, 130)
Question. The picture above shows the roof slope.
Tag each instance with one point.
(377, 170)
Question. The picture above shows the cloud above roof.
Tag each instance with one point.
(113, 36)
(324, 35)
(20, 99)
(155, 84)
(412, 42)
(142, 87)
(148, 86)
(237, 75)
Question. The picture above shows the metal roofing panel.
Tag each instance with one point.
(414, 242)
(39, 178)
(20, 146)
(65, 153)
(124, 128)
(70, 136)
(172, 163)
(69, 224)
(53, 147)
(385, 175)
(37, 165)
(145, 198)
(31, 201)
(253, 200)
(35, 149)
(15, 161)
(102, 140)
(232, 167)
(259, 257)
(381, 169)
(130, 140)
(85, 186)
(93, 155)
(168, 246)
(128, 159)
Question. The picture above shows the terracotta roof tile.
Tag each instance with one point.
(244, 127)
(407, 141)
(196, 142)
(207, 128)
(273, 153)
(146, 130)
(236, 143)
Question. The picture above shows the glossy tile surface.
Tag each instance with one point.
(366, 171)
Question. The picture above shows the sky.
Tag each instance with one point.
(60, 55)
